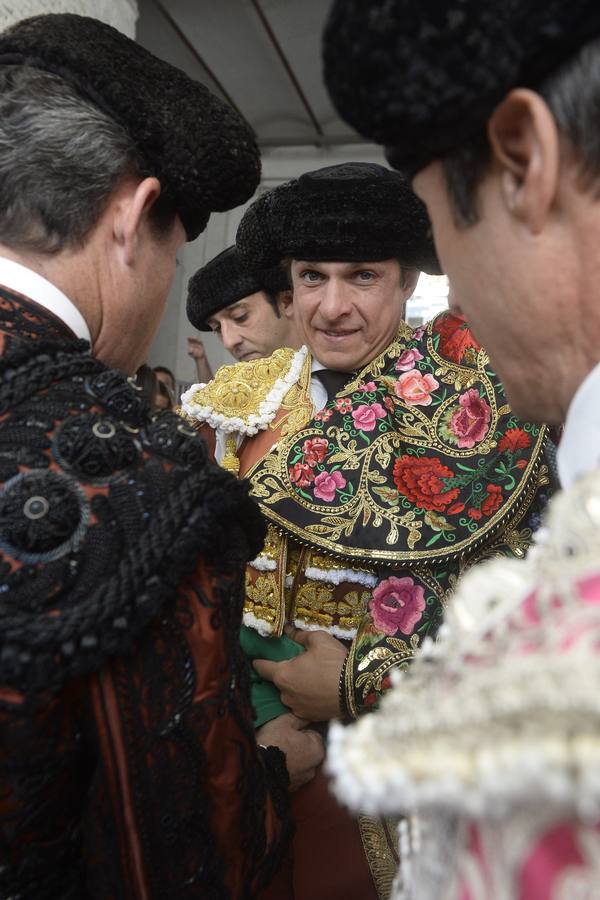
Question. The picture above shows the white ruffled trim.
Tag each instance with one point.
(267, 408)
(263, 564)
(257, 624)
(345, 634)
(338, 576)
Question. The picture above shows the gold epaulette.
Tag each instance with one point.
(244, 397)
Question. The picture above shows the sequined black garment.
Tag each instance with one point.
(127, 759)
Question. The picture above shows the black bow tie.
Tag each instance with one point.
(333, 382)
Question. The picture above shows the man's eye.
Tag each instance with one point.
(365, 275)
(239, 319)
(310, 276)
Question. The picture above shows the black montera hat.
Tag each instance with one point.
(201, 150)
(422, 76)
(352, 212)
(225, 280)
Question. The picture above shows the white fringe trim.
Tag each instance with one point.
(263, 628)
(263, 564)
(338, 576)
(346, 634)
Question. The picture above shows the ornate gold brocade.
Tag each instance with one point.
(298, 402)
(265, 590)
(237, 391)
(380, 841)
(315, 603)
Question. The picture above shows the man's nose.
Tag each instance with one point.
(230, 336)
(335, 301)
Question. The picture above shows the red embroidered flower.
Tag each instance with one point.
(514, 439)
(415, 389)
(301, 475)
(455, 337)
(521, 464)
(323, 415)
(471, 422)
(343, 405)
(407, 359)
(474, 513)
(455, 509)
(326, 484)
(365, 416)
(420, 480)
(397, 604)
(315, 450)
(493, 500)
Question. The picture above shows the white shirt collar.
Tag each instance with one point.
(25, 281)
(579, 448)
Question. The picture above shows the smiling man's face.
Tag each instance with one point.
(348, 312)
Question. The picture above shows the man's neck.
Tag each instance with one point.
(65, 272)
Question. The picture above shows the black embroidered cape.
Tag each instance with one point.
(128, 767)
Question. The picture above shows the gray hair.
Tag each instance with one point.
(573, 96)
(61, 157)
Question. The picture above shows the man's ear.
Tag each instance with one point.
(131, 215)
(525, 145)
(408, 281)
(285, 304)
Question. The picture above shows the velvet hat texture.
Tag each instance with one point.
(422, 76)
(226, 280)
(359, 212)
(201, 150)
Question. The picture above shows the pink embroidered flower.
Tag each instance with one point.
(365, 416)
(301, 475)
(367, 387)
(323, 415)
(343, 405)
(397, 604)
(326, 484)
(414, 388)
(407, 360)
(418, 333)
(315, 450)
(471, 422)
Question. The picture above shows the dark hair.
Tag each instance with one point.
(272, 298)
(147, 381)
(572, 93)
(165, 371)
(61, 158)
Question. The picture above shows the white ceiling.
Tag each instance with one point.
(263, 56)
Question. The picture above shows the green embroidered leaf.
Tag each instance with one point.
(438, 522)
(388, 495)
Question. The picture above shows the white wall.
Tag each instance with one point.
(279, 165)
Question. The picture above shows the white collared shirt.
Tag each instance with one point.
(318, 394)
(579, 448)
(19, 278)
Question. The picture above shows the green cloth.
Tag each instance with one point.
(265, 696)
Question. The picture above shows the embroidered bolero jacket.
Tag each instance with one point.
(417, 469)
